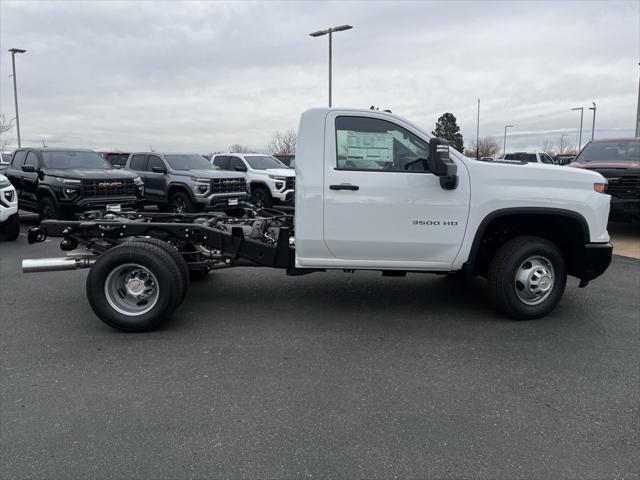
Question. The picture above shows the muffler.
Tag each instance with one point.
(56, 264)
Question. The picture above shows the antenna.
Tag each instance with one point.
(42, 138)
(151, 148)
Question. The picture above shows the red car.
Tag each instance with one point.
(618, 160)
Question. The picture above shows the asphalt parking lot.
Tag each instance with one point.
(328, 375)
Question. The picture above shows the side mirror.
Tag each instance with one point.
(241, 169)
(29, 168)
(441, 165)
(158, 169)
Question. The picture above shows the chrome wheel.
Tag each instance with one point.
(131, 289)
(534, 280)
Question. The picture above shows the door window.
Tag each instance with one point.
(32, 159)
(222, 162)
(364, 143)
(138, 162)
(18, 159)
(546, 158)
(237, 165)
(154, 161)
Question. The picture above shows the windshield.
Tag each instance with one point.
(188, 162)
(68, 160)
(613, 151)
(263, 162)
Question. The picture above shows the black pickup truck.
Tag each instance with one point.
(60, 182)
(618, 160)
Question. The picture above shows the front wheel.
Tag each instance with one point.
(135, 287)
(180, 202)
(48, 209)
(261, 198)
(10, 229)
(527, 277)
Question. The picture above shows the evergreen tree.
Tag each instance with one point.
(447, 128)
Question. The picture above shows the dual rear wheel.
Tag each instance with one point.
(137, 285)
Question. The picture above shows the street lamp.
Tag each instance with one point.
(593, 125)
(504, 145)
(580, 136)
(562, 142)
(330, 31)
(15, 88)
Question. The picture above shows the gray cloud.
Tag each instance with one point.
(200, 76)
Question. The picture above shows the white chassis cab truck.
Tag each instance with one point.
(374, 192)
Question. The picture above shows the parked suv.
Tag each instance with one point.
(187, 182)
(59, 182)
(618, 160)
(537, 157)
(269, 180)
(9, 220)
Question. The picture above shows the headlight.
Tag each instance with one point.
(274, 177)
(68, 181)
(137, 180)
(5, 183)
(600, 187)
(200, 180)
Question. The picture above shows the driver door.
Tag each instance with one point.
(381, 204)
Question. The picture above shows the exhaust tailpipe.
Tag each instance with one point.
(56, 264)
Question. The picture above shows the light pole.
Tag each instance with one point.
(562, 142)
(638, 110)
(330, 31)
(478, 134)
(15, 88)
(504, 144)
(593, 125)
(580, 135)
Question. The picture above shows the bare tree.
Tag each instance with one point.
(558, 147)
(488, 148)
(283, 142)
(238, 148)
(5, 126)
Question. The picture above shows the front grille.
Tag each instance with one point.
(108, 188)
(228, 185)
(623, 186)
(291, 183)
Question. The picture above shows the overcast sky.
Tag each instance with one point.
(200, 76)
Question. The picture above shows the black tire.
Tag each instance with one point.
(180, 202)
(173, 251)
(48, 209)
(261, 197)
(511, 263)
(149, 262)
(10, 229)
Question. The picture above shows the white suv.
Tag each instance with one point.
(269, 180)
(9, 221)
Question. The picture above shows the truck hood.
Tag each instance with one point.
(80, 174)
(282, 172)
(535, 173)
(211, 174)
(607, 165)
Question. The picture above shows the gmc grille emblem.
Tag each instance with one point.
(109, 184)
(231, 182)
